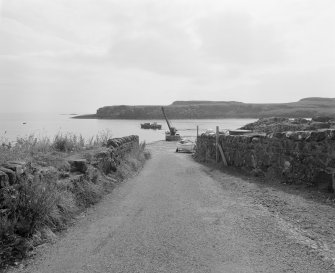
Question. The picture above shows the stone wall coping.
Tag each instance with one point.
(317, 135)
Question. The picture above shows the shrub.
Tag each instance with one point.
(68, 142)
(38, 205)
(24, 208)
(87, 193)
(101, 138)
(29, 205)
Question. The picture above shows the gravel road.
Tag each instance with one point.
(177, 216)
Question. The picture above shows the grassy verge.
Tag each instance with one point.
(47, 197)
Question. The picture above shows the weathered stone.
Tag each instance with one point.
(107, 165)
(106, 160)
(324, 181)
(116, 142)
(49, 173)
(78, 165)
(92, 174)
(279, 134)
(17, 166)
(112, 143)
(322, 118)
(299, 121)
(63, 175)
(255, 139)
(102, 154)
(317, 136)
(330, 134)
(79, 178)
(15, 162)
(4, 180)
(10, 173)
(298, 135)
(257, 173)
(331, 163)
(318, 125)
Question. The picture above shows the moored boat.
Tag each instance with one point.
(149, 125)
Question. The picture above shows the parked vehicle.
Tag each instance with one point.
(185, 145)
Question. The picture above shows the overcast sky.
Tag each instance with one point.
(78, 55)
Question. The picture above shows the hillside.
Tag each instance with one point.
(307, 107)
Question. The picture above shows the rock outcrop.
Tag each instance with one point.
(280, 124)
(307, 107)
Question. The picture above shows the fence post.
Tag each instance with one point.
(217, 144)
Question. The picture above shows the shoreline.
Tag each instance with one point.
(94, 116)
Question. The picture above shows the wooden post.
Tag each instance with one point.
(217, 144)
(224, 160)
(197, 132)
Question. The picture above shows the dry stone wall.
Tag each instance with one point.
(301, 157)
(105, 160)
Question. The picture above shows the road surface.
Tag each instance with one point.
(177, 217)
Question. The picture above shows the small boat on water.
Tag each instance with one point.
(149, 125)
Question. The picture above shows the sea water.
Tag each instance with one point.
(17, 125)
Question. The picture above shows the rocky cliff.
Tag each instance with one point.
(307, 107)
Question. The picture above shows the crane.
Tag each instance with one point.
(172, 135)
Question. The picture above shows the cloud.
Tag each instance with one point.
(299, 83)
(109, 51)
(235, 38)
(157, 52)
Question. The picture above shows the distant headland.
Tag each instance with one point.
(307, 107)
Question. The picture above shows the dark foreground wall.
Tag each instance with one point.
(305, 157)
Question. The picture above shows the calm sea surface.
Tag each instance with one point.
(41, 125)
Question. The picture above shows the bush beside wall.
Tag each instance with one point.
(37, 199)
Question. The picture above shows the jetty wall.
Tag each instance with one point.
(301, 157)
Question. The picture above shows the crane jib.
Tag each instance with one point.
(172, 129)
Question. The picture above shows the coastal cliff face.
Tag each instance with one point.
(307, 107)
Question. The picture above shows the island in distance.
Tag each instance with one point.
(307, 107)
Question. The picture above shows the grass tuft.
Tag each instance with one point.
(45, 202)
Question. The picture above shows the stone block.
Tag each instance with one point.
(77, 179)
(257, 173)
(78, 165)
(255, 140)
(4, 180)
(324, 181)
(49, 174)
(317, 136)
(17, 166)
(279, 135)
(318, 125)
(331, 163)
(322, 118)
(330, 134)
(112, 143)
(10, 173)
(92, 174)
